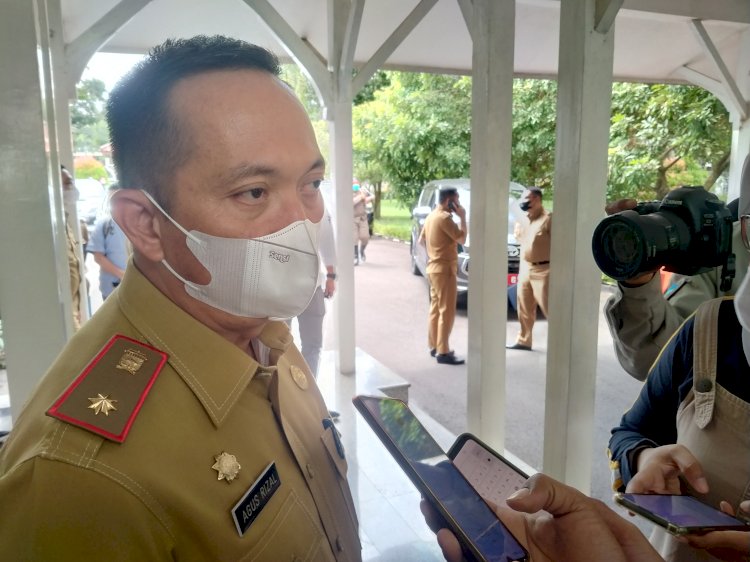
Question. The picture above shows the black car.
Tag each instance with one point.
(428, 200)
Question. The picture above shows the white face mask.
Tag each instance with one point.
(273, 276)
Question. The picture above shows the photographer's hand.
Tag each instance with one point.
(619, 206)
(726, 545)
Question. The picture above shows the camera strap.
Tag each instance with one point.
(727, 273)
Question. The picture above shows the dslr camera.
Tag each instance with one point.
(688, 232)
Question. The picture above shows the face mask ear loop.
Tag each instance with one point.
(180, 277)
(174, 222)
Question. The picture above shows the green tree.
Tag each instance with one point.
(534, 121)
(417, 129)
(658, 131)
(87, 120)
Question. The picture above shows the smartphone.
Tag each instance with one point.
(452, 206)
(680, 515)
(482, 535)
(490, 474)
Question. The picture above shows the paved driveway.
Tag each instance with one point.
(391, 308)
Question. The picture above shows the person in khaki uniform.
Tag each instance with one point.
(180, 422)
(360, 198)
(441, 236)
(533, 275)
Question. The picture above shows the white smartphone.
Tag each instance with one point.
(489, 473)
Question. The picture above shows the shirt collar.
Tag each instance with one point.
(216, 370)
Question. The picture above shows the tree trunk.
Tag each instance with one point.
(378, 195)
(662, 185)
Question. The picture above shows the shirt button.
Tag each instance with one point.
(310, 471)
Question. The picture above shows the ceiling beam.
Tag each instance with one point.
(467, 11)
(299, 50)
(79, 51)
(391, 44)
(738, 101)
(721, 10)
(351, 36)
(605, 14)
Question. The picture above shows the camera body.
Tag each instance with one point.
(688, 232)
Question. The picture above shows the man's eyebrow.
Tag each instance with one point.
(249, 170)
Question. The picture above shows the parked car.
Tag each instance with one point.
(91, 196)
(428, 200)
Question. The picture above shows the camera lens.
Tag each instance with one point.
(620, 252)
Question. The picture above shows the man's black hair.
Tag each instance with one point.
(446, 193)
(536, 191)
(148, 141)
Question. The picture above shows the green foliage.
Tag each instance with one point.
(534, 121)
(377, 81)
(87, 120)
(416, 129)
(90, 167)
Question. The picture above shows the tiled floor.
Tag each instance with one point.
(392, 528)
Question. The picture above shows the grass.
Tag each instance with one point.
(394, 221)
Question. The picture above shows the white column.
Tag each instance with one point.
(340, 128)
(583, 114)
(492, 105)
(36, 314)
(740, 128)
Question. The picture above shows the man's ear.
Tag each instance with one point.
(137, 217)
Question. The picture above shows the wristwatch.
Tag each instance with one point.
(331, 276)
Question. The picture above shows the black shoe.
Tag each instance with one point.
(362, 255)
(449, 359)
(519, 347)
(433, 352)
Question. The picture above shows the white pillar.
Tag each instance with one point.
(740, 128)
(340, 128)
(36, 314)
(492, 122)
(583, 114)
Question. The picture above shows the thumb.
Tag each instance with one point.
(543, 492)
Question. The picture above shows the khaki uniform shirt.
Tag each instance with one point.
(535, 238)
(441, 235)
(68, 493)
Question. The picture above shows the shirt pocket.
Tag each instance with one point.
(292, 535)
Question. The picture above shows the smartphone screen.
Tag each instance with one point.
(439, 480)
(489, 473)
(680, 514)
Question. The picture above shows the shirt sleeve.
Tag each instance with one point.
(451, 228)
(97, 242)
(651, 421)
(327, 244)
(56, 511)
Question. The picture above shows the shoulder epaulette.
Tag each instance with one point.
(107, 396)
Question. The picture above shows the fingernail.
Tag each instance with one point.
(518, 494)
(701, 485)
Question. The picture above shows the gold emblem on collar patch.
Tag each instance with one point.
(227, 466)
(102, 405)
(131, 361)
(299, 377)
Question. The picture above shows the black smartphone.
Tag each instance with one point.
(680, 515)
(482, 535)
(490, 474)
(452, 206)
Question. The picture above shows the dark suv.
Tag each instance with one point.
(428, 200)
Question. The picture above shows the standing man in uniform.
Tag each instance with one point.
(361, 197)
(533, 275)
(442, 236)
(70, 197)
(180, 423)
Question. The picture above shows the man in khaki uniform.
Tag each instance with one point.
(360, 198)
(442, 236)
(533, 274)
(70, 193)
(179, 422)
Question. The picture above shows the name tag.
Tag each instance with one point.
(255, 499)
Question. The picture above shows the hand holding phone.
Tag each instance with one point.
(680, 515)
(451, 206)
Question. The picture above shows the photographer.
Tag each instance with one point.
(642, 319)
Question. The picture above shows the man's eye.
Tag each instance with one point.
(256, 192)
(316, 183)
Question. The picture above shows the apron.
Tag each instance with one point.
(715, 426)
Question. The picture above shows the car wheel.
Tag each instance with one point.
(414, 267)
